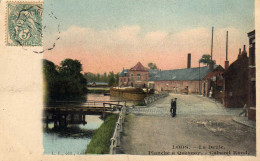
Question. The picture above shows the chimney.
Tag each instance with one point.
(211, 54)
(189, 60)
(244, 53)
(239, 54)
(226, 62)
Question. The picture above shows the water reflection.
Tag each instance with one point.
(70, 140)
(71, 131)
(74, 137)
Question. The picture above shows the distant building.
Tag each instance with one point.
(97, 84)
(187, 79)
(191, 80)
(124, 78)
(137, 77)
(212, 83)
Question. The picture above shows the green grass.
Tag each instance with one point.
(100, 142)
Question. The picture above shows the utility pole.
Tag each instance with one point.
(199, 77)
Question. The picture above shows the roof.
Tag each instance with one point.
(152, 72)
(188, 74)
(252, 33)
(124, 73)
(139, 67)
(237, 66)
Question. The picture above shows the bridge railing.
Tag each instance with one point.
(90, 103)
(115, 140)
(155, 97)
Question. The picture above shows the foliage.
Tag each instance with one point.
(64, 81)
(152, 65)
(205, 59)
(100, 142)
(111, 78)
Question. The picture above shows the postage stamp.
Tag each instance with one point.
(24, 24)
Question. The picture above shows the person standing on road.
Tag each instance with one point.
(173, 107)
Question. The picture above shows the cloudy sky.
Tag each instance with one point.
(107, 35)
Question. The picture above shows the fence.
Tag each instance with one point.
(151, 99)
(115, 140)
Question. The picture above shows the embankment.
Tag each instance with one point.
(100, 142)
(133, 94)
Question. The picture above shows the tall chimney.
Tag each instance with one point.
(244, 53)
(239, 54)
(211, 54)
(212, 44)
(189, 60)
(226, 62)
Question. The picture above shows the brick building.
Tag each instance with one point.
(212, 83)
(136, 76)
(251, 77)
(124, 78)
(182, 79)
(236, 82)
(193, 80)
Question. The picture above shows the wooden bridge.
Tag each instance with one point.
(63, 114)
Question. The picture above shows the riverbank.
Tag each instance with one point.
(100, 142)
(134, 94)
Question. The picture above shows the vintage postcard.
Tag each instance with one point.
(129, 79)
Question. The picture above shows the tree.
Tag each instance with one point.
(51, 76)
(111, 79)
(69, 66)
(205, 59)
(152, 65)
(64, 81)
(116, 78)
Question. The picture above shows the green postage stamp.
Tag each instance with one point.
(24, 24)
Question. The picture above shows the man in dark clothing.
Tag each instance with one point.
(173, 107)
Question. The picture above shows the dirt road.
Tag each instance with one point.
(202, 127)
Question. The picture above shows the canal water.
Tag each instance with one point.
(74, 139)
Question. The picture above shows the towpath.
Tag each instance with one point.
(202, 127)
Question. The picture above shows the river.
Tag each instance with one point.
(74, 139)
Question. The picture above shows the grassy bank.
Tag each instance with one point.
(100, 142)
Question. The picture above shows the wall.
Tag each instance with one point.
(128, 95)
(123, 81)
(236, 83)
(181, 85)
(134, 80)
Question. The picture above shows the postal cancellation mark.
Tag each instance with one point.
(24, 24)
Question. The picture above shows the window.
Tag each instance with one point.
(132, 77)
(138, 77)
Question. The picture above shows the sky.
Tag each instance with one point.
(109, 35)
